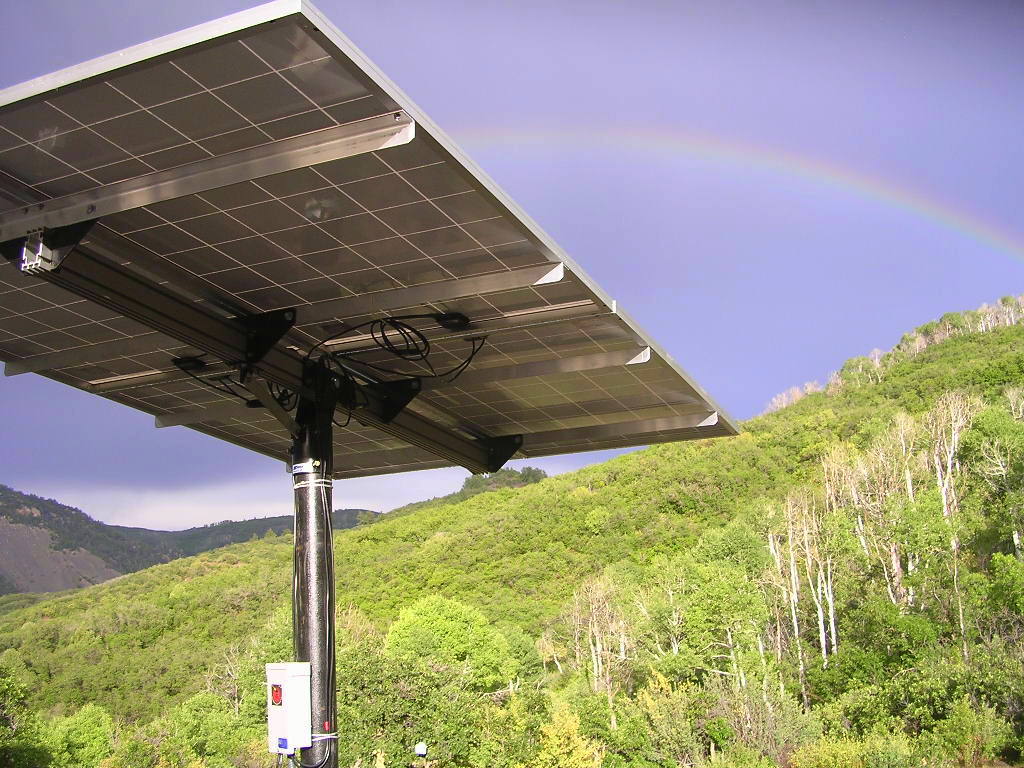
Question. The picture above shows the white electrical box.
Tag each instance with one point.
(289, 720)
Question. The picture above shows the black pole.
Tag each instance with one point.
(313, 566)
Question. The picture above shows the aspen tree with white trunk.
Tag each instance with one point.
(787, 581)
(602, 639)
(1015, 400)
(946, 423)
(814, 545)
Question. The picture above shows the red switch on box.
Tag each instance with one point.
(276, 695)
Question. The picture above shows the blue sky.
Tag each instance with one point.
(760, 264)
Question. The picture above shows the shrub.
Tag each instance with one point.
(738, 756)
(858, 712)
(769, 722)
(829, 753)
(887, 750)
(968, 734)
(562, 745)
(81, 740)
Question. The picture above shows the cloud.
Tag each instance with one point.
(176, 508)
(267, 494)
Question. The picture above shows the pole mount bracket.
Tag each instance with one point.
(325, 389)
(393, 396)
(263, 331)
(500, 449)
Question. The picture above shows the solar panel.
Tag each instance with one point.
(258, 165)
(240, 227)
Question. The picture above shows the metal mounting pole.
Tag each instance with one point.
(313, 567)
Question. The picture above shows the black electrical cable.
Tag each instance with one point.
(320, 764)
(285, 397)
(414, 344)
(223, 389)
(454, 372)
(225, 384)
(392, 334)
(397, 337)
(478, 344)
(329, 569)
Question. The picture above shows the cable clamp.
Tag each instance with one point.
(325, 483)
(324, 736)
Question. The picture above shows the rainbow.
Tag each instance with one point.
(744, 156)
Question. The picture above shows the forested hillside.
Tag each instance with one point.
(840, 585)
(477, 484)
(46, 546)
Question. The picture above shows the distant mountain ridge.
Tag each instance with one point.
(46, 546)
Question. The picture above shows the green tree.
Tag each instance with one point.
(388, 704)
(82, 740)
(451, 633)
(19, 728)
(205, 726)
(662, 725)
(508, 733)
(132, 752)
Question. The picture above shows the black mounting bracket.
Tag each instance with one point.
(325, 389)
(263, 331)
(43, 251)
(500, 449)
(314, 418)
(393, 397)
(10, 250)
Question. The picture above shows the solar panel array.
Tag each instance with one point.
(408, 229)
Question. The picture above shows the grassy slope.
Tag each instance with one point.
(144, 639)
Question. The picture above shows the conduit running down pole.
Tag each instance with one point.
(313, 565)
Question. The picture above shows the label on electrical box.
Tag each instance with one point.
(289, 717)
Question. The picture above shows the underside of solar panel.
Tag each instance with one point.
(187, 223)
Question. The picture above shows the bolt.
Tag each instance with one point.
(91, 209)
